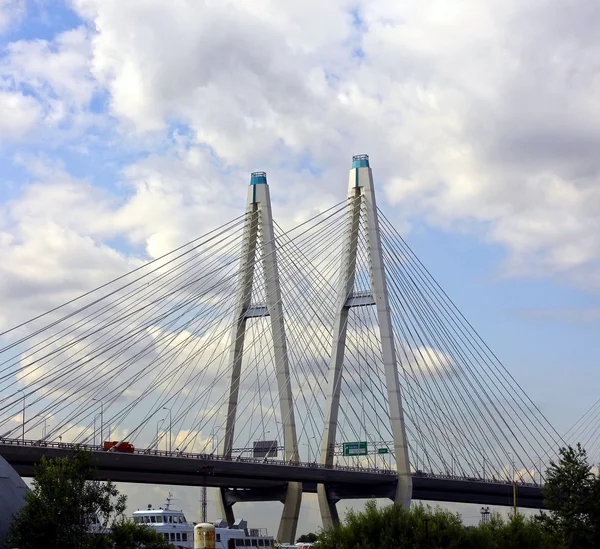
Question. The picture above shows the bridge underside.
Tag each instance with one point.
(268, 482)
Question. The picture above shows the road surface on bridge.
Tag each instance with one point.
(254, 479)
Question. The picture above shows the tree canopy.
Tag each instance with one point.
(311, 537)
(572, 495)
(64, 509)
(394, 527)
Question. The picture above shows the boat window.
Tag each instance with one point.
(152, 518)
(183, 536)
(170, 518)
(239, 542)
(183, 519)
(166, 534)
(254, 543)
(178, 536)
(261, 542)
(172, 536)
(218, 537)
(159, 518)
(146, 519)
(247, 542)
(136, 519)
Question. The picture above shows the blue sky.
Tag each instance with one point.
(133, 127)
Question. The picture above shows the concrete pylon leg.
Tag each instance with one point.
(329, 514)
(291, 511)
(225, 508)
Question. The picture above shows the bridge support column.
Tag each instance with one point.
(327, 505)
(260, 223)
(361, 201)
(225, 507)
(291, 511)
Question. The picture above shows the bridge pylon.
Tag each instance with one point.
(259, 237)
(362, 204)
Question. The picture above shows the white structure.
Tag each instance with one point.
(175, 528)
(361, 198)
(259, 221)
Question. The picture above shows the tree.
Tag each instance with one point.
(126, 534)
(63, 506)
(307, 538)
(518, 532)
(571, 495)
(394, 527)
(422, 527)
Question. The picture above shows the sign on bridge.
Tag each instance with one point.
(354, 448)
(265, 448)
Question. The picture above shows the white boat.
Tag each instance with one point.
(173, 525)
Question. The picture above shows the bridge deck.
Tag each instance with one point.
(253, 480)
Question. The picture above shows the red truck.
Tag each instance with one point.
(119, 446)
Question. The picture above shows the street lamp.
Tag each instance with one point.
(212, 443)
(170, 426)
(23, 391)
(308, 446)
(512, 465)
(101, 420)
(158, 423)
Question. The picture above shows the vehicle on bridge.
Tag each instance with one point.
(119, 446)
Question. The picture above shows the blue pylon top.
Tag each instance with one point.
(360, 161)
(258, 178)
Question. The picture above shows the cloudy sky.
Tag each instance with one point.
(128, 127)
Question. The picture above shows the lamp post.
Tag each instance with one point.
(101, 420)
(514, 483)
(170, 426)
(308, 446)
(23, 391)
(158, 423)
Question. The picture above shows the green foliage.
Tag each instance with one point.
(572, 494)
(307, 538)
(393, 527)
(517, 533)
(126, 534)
(63, 505)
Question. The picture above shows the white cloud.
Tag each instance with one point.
(56, 76)
(18, 114)
(10, 12)
(468, 120)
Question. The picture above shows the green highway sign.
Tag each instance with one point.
(382, 451)
(354, 449)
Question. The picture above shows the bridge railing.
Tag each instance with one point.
(280, 462)
(189, 455)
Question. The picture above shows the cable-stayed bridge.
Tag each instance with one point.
(269, 362)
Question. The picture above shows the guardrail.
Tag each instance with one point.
(277, 462)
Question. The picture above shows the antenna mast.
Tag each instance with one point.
(203, 502)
